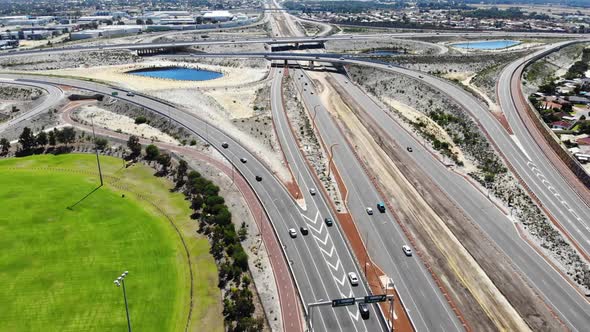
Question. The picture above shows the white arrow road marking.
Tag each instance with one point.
(336, 267)
(314, 221)
(317, 231)
(355, 316)
(325, 252)
(341, 282)
(322, 241)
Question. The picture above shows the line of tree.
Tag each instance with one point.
(579, 68)
(30, 143)
(215, 221)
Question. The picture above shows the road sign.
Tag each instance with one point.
(375, 298)
(343, 302)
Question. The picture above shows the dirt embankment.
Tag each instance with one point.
(490, 295)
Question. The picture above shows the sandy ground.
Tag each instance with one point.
(465, 78)
(431, 127)
(125, 124)
(238, 101)
(232, 76)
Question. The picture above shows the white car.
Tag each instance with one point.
(292, 232)
(369, 211)
(353, 278)
(407, 250)
(312, 191)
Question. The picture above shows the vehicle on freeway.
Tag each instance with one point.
(114, 93)
(341, 58)
(312, 191)
(407, 250)
(243, 160)
(329, 222)
(353, 278)
(304, 230)
(381, 207)
(369, 211)
(364, 310)
(130, 94)
(258, 178)
(409, 148)
(420, 76)
(224, 145)
(292, 232)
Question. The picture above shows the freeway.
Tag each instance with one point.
(426, 306)
(306, 181)
(555, 289)
(319, 262)
(550, 187)
(54, 95)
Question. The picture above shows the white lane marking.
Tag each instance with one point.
(341, 282)
(319, 231)
(312, 220)
(355, 316)
(335, 267)
(324, 241)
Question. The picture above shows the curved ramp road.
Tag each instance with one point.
(319, 261)
(53, 97)
(554, 192)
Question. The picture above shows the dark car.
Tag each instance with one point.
(304, 230)
(329, 221)
(243, 160)
(409, 148)
(364, 310)
(258, 178)
(381, 207)
(225, 145)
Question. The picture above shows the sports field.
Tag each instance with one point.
(57, 265)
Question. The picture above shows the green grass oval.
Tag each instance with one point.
(58, 265)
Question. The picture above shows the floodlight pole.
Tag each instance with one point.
(126, 305)
(96, 149)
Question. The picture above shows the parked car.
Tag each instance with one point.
(381, 207)
(369, 211)
(224, 145)
(364, 310)
(407, 250)
(353, 278)
(292, 232)
(329, 222)
(304, 230)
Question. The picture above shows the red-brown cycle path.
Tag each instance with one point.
(287, 292)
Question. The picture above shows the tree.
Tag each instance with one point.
(27, 139)
(242, 232)
(52, 139)
(41, 138)
(152, 152)
(134, 145)
(165, 160)
(4, 146)
(101, 143)
(66, 135)
(181, 172)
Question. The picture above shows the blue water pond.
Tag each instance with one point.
(178, 73)
(487, 45)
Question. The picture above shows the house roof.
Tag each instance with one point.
(583, 141)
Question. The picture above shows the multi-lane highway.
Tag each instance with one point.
(538, 171)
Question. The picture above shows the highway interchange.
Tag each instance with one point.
(320, 261)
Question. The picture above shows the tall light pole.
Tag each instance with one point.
(121, 282)
(96, 149)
